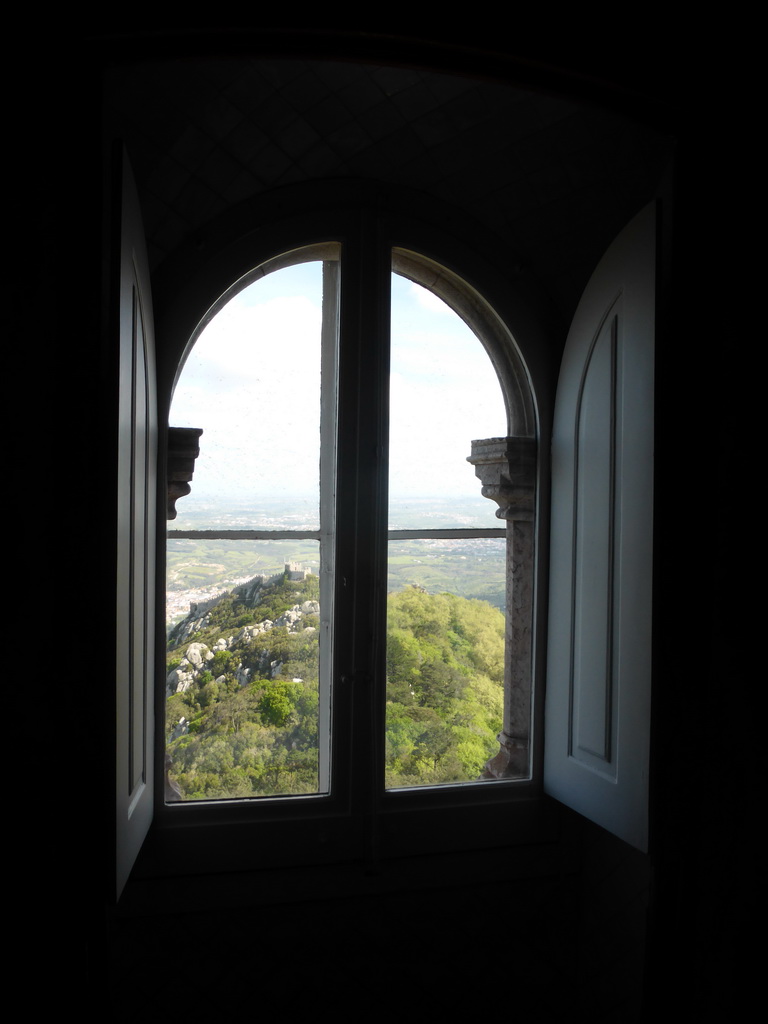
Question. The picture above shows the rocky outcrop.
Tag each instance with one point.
(192, 664)
(197, 655)
(194, 623)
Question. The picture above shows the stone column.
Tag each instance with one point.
(506, 467)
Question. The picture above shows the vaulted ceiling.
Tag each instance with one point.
(552, 177)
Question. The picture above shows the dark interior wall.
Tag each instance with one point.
(541, 931)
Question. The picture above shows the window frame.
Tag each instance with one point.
(358, 819)
(328, 256)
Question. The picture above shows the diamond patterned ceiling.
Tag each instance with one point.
(556, 178)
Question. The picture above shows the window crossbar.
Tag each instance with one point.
(244, 535)
(446, 534)
(467, 534)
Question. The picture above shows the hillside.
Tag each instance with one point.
(242, 690)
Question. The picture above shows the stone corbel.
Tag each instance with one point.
(506, 467)
(183, 449)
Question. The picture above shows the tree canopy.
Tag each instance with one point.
(247, 725)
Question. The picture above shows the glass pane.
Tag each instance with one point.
(445, 607)
(248, 673)
(243, 682)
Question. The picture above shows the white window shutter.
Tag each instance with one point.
(597, 718)
(136, 512)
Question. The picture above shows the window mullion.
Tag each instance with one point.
(362, 507)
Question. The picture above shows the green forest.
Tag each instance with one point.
(242, 704)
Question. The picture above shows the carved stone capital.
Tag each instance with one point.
(506, 467)
(183, 449)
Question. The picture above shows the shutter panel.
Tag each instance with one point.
(137, 479)
(597, 717)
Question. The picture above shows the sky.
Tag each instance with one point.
(251, 382)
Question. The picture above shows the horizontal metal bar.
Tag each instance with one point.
(243, 535)
(445, 534)
(315, 534)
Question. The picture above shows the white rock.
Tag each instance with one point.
(197, 655)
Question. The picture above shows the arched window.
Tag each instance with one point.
(360, 618)
(369, 784)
